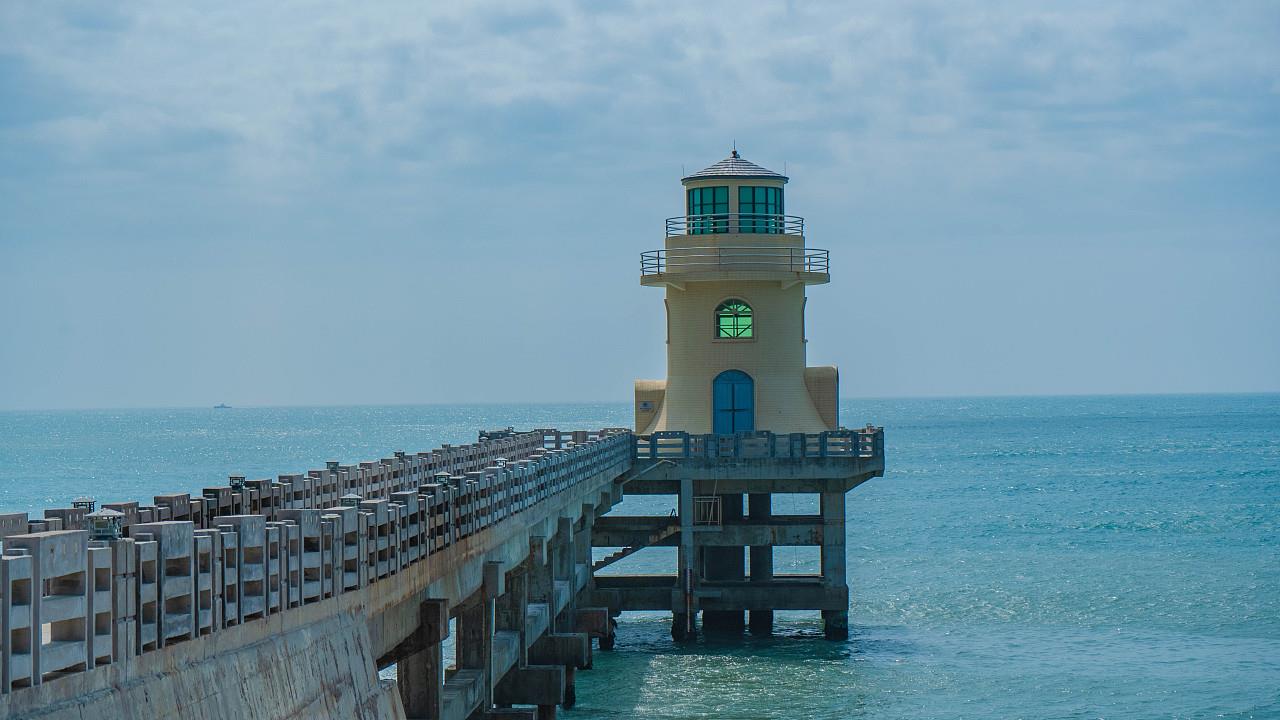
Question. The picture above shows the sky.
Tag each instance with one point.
(321, 203)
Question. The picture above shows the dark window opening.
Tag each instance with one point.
(708, 210)
(760, 210)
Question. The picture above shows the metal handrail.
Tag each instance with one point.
(745, 223)
(768, 259)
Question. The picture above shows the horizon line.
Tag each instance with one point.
(552, 403)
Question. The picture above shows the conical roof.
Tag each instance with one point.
(733, 166)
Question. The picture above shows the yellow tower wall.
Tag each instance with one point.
(774, 358)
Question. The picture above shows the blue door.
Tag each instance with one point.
(734, 399)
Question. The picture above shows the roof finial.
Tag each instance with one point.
(735, 149)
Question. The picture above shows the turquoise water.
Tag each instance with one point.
(1108, 557)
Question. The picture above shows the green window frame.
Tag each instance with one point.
(708, 210)
(760, 209)
(735, 320)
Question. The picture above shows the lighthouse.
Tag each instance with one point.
(740, 417)
(735, 269)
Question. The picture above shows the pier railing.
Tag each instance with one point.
(670, 445)
(186, 567)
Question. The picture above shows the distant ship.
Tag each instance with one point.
(221, 406)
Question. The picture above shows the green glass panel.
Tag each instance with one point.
(733, 320)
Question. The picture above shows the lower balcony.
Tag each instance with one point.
(785, 264)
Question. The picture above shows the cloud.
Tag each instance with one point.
(535, 145)
(294, 86)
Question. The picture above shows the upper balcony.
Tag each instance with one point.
(735, 224)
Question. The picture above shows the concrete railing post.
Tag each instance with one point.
(17, 607)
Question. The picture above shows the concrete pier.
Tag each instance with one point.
(290, 612)
(283, 598)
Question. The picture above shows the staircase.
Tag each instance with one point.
(655, 537)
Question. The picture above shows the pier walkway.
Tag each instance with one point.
(283, 598)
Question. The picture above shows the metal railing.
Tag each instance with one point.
(765, 259)
(865, 442)
(747, 223)
(706, 510)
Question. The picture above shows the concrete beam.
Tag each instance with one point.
(755, 470)
(433, 628)
(463, 692)
(656, 592)
(729, 534)
(532, 685)
(567, 649)
(593, 621)
(708, 483)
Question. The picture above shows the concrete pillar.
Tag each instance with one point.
(540, 582)
(760, 507)
(835, 621)
(571, 650)
(563, 553)
(511, 609)
(582, 538)
(420, 675)
(683, 604)
(725, 563)
(476, 627)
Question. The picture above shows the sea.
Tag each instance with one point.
(1022, 557)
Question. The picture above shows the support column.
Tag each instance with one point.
(571, 651)
(683, 605)
(420, 675)
(541, 587)
(511, 610)
(476, 627)
(760, 507)
(582, 538)
(725, 563)
(563, 553)
(835, 621)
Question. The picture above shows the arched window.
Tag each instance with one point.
(733, 320)
(733, 403)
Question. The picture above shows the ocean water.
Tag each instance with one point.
(1084, 557)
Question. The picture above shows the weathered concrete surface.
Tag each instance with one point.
(321, 669)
